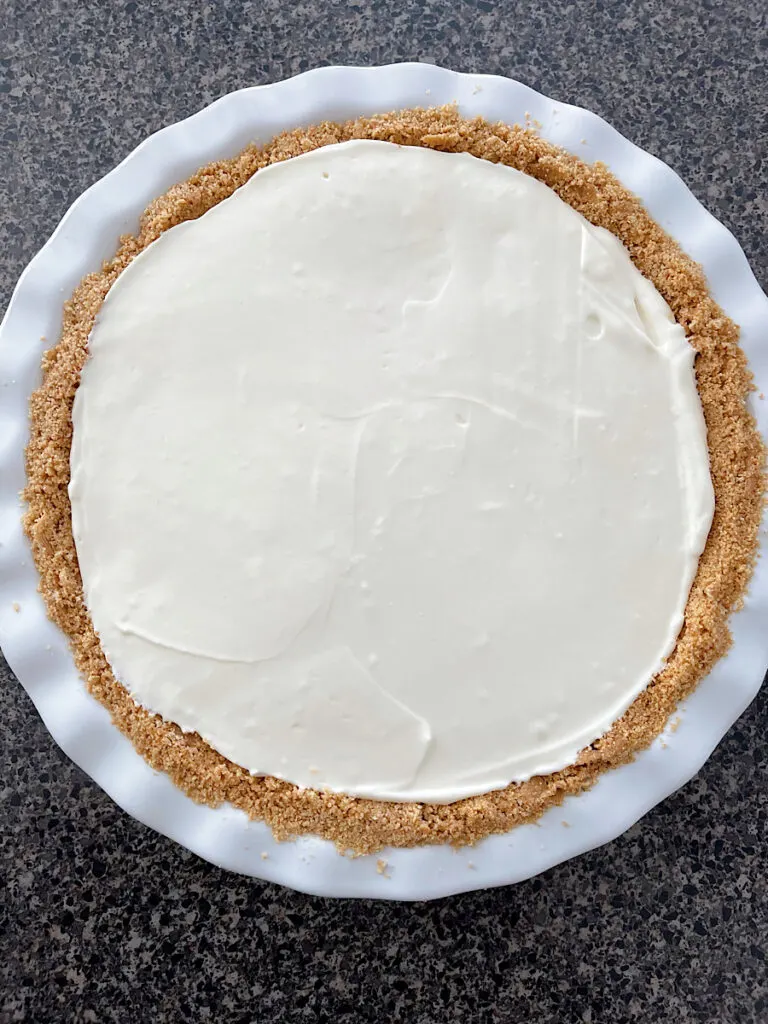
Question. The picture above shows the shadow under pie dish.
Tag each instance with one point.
(464, 360)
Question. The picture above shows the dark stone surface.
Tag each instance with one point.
(102, 920)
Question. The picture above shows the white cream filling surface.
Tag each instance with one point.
(389, 475)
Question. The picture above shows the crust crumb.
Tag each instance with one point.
(736, 458)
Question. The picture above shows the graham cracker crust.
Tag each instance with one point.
(737, 466)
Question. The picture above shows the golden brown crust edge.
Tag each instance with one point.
(737, 466)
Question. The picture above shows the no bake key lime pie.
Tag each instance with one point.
(395, 480)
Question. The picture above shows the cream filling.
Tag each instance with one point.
(389, 475)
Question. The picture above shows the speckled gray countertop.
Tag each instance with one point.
(102, 920)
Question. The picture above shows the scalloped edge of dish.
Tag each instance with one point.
(37, 651)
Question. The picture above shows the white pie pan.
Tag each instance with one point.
(37, 651)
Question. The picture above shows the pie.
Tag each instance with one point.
(395, 480)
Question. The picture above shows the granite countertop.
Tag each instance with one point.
(102, 920)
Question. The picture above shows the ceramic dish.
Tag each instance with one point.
(38, 653)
